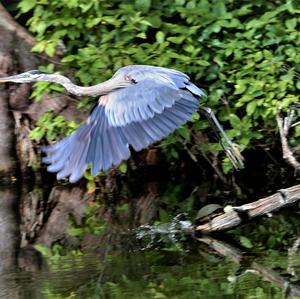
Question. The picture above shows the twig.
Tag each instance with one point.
(214, 167)
(189, 152)
(284, 126)
(292, 252)
(239, 215)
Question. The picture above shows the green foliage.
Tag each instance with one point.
(41, 87)
(91, 183)
(50, 126)
(243, 53)
(91, 224)
(273, 234)
(245, 242)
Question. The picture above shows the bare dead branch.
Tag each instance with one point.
(292, 252)
(198, 138)
(284, 125)
(214, 167)
(234, 218)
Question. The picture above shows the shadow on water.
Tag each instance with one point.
(260, 260)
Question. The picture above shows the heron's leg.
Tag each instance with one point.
(216, 126)
(230, 149)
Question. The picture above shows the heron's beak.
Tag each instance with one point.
(17, 79)
(4, 79)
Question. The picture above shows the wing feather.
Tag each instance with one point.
(139, 101)
(154, 90)
(157, 103)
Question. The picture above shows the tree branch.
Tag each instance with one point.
(239, 215)
(284, 125)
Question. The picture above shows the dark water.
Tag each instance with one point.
(258, 260)
(155, 274)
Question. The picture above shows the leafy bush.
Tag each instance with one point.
(50, 126)
(243, 53)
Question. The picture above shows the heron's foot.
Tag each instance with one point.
(234, 155)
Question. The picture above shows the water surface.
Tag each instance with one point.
(258, 260)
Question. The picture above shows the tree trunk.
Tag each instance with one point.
(17, 113)
(15, 56)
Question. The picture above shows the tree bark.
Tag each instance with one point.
(17, 113)
(15, 56)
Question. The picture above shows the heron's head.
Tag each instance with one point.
(27, 77)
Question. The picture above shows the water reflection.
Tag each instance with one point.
(154, 274)
(162, 261)
(9, 241)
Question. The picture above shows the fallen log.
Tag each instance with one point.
(237, 216)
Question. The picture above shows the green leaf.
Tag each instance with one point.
(240, 87)
(234, 120)
(250, 108)
(143, 5)
(75, 232)
(184, 132)
(44, 250)
(123, 167)
(246, 242)
(93, 22)
(291, 23)
(176, 40)
(164, 216)
(50, 49)
(202, 62)
(142, 35)
(160, 36)
(91, 186)
(297, 131)
(26, 5)
(39, 47)
(226, 166)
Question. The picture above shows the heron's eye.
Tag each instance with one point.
(129, 78)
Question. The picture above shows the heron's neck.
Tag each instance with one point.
(95, 90)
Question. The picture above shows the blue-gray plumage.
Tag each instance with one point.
(138, 106)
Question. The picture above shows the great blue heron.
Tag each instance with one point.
(139, 105)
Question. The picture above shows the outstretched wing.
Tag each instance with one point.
(154, 89)
(158, 101)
